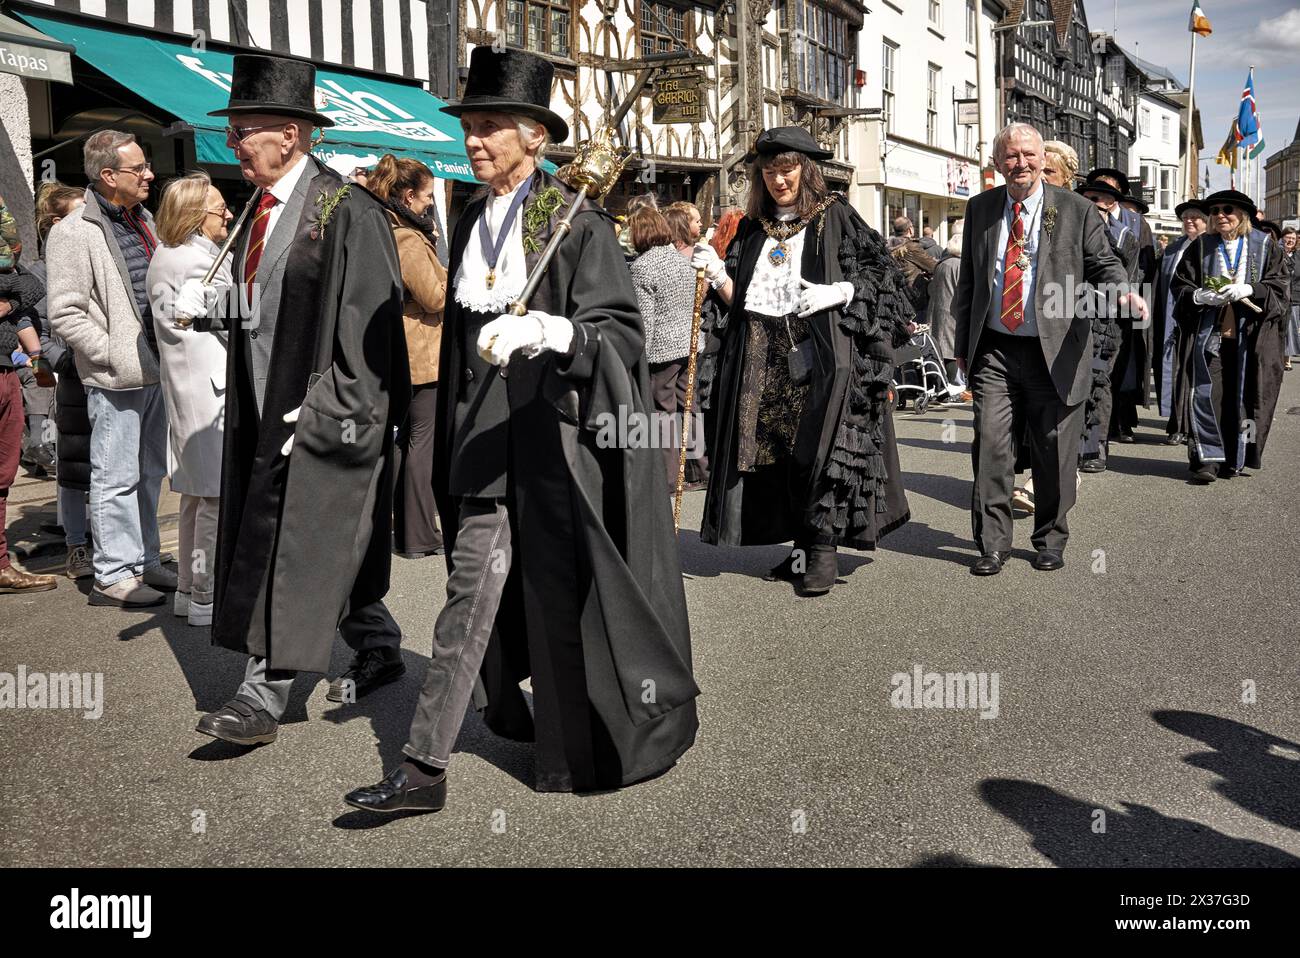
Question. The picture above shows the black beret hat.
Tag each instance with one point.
(788, 139)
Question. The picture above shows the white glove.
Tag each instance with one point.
(288, 443)
(533, 333)
(1236, 292)
(194, 299)
(705, 257)
(1208, 297)
(815, 298)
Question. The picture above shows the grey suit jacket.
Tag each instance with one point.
(270, 279)
(1073, 251)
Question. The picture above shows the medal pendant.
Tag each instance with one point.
(1022, 263)
(491, 278)
(779, 254)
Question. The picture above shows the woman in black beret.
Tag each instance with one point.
(804, 435)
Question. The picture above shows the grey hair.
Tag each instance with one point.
(954, 244)
(1066, 152)
(527, 126)
(1008, 132)
(100, 151)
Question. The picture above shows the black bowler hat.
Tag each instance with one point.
(1116, 175)
(1232, 198)
(510, 81)
(1100, 187)
(788, 139)
(1186, 205)
(273, 85)
(1269, 226)
(1133, 197)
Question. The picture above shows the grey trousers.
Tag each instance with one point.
(365, 629)
(1014, 396)
(480, 564)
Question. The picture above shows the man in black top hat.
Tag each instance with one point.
(306, 497)
(562, 565)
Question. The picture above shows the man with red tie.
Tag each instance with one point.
(317, 381)
(1024, 340)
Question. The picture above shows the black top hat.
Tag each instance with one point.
(273, 85)
(510, 81)
(1232, 198)
(1186, 205)
(1136, 199)
(788, 139)
(1116, 175)
(1100, 187)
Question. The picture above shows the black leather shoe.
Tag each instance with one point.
(823, 567)
(241, 723)
(396, 794)
(990, 564)
(1048, 560)
(368, 671)
(1093, 465)
(1205, 474)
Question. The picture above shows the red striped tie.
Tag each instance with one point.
(1013, 310)
(257, 237)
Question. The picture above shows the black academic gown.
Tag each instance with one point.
(1131, 378)
(846, 474)
(594, 609)
(1260, 340)
(302, 538)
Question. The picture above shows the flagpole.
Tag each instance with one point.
(1190, 183)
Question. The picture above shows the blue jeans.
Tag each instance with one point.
(72, 515)
(128, 459)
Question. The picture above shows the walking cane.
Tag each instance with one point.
(701, 285)
(232, 237)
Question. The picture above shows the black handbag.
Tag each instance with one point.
(799, 359)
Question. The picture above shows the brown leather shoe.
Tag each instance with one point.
(14, 580)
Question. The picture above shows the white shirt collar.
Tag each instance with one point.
(1030, 203)
(284, 187)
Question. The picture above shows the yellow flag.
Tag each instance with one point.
(1228, 152)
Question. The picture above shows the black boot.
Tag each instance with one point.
(823, 567)
(792, 566)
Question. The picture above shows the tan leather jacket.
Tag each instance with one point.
(425, 280)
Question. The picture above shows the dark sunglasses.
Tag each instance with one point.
(1225, 210)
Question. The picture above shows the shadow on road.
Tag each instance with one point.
(703, 561)
(1259, 772)
(953, 490)
(918, 539)
(1062, 829)
(938, 445)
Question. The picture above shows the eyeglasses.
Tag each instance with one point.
(139, 169)
(1097, 198)
(240, 133)
(1225, 210)
(219, 210)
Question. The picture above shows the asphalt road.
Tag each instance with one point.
(1147, 705)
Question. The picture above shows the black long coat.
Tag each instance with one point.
(845, 455)
(302, 536)
(594, 609)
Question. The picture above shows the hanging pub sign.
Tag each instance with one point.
(677, 97)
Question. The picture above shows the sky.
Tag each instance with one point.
(1265, 33)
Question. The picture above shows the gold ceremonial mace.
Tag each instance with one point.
(232, 237)
(701, 290)
(701, 285)
(595, 168)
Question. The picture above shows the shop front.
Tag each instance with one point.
(162, 91)
(927, 186)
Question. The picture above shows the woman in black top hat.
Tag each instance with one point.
(1235, 350)
(562, 564)
(804, 434)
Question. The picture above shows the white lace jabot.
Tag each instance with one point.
(512, 270)
(774, 290)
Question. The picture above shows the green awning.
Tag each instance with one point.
(371, 116)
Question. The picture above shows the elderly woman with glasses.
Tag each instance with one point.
(192, 223)
(1230, 297)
